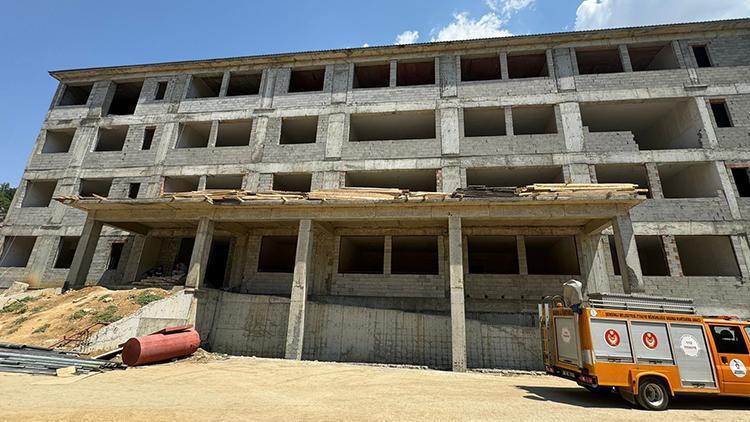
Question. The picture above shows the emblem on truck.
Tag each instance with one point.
(612, 338)
(565, 335)
(738, 368)
(650, 340)
(689, 345)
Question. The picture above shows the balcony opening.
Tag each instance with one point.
(414, 255)
(65, 251)
(689, 180)
(148, 137)
(224, 181)
(702, 58)
(205, 86)
(161, 90)
(707, 256)
(292, 182)
(513, 176)
(277, 254)
(623, 173)
(16, 251)
(133, 190)
(75, 95)
(111, 138)
(393, 126)
(492, 255)
(413, 180)
(652, 57)
(415, 73)
(741, 177)
(194, 135)
(651, 255)
(551, 255)
(241, 83)
(126, 98)
(529, 65)
(115, 255)
(38, 193)
(175, 184)
(484, 121)
(216, 266)
(307, 80)
(534, 120)
(598, 60)
(299, 130)
(480, 68)
(95, 187)
(234, 133)
(653, 125)
(721, 113)
(361, 254)
(58, 140)
(372, 75)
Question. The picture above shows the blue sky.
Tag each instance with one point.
(38, 36)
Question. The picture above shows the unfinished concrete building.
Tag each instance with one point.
(444, 284)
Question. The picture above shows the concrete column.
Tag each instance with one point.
(213, 133)
(199, 258)
(237, 262)
(523, 266)
(268, 83)
(130, 274)
(550, 62)
(675, 45)
(387, 254)
(202, 182)
(742, 252)
(451, 179)
(79, 268)
(335, 135)
(508, 121)
(296, 328)
(448, 75)
(224, 84)
(710, 140)
(654, 181)
(449, 136)
(593, 264)
(627, 66)
(728, 189)
(44, 249)
(504, 66)
(578, 173)
(394, 76)
(458, 312)
(672, 255)
(627, 254)
(572, 126)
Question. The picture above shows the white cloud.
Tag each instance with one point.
(463, 28)
(365, 45)
(407, 37)
(508, 7)
(594, 14)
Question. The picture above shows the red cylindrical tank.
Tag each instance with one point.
(158, 347)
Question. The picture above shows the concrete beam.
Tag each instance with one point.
(627, 254)
(458, 312)
(84, 255)
(296, 326)
(199, 258)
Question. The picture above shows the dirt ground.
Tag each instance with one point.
(44, 319)
(272, 389)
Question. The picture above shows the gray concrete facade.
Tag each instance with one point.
(670, 114)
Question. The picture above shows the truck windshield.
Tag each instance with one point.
(728, 339)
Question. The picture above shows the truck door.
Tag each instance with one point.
(732, 358)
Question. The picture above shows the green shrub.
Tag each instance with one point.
(41, 329)
(108, 316)
(16, 307)
(77, 315)
(144, 298)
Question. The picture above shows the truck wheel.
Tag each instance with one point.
(652, 394)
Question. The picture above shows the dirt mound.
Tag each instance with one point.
(44, 319)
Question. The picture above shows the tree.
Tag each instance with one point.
(6, 195)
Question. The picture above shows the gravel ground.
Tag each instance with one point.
(211, 388)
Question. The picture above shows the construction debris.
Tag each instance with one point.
(549, 191)
(20, 358)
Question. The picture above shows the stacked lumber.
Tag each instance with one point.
(358, 194)
(581, 190)
(482, 191)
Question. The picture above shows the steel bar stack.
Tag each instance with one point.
(25, 359)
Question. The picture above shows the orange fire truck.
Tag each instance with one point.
(646, 348)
